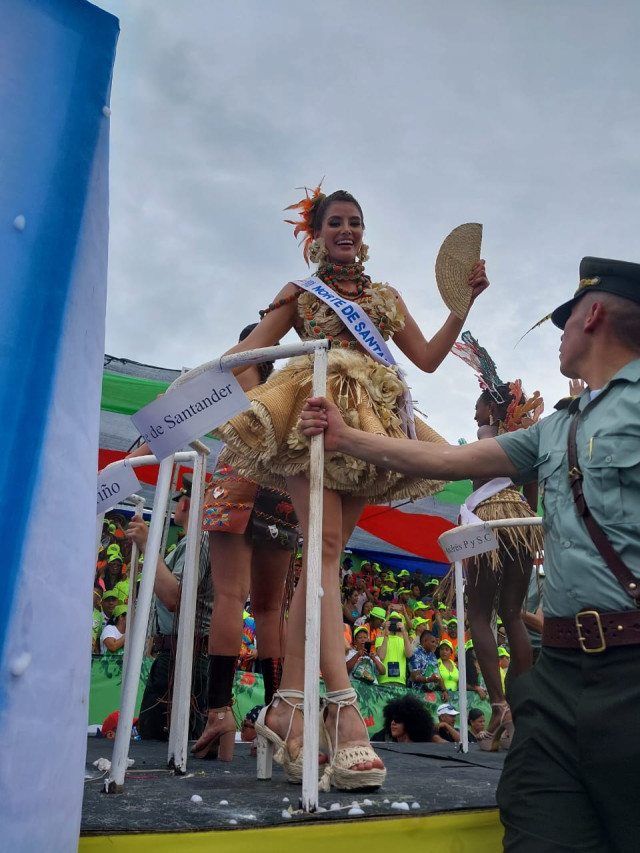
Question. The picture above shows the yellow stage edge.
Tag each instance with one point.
(453, 832)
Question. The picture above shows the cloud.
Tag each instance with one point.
(519, 117)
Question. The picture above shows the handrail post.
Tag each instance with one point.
(181, 701)
(314, 593)
(114, 784)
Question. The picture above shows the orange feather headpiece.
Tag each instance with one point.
(304, 225)
(522, 415)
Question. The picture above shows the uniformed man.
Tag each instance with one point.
(569, 778)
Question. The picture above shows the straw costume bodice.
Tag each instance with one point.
(265, 443)
(318, 320)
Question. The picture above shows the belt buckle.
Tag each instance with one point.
(582, 640)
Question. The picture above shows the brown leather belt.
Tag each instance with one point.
(592, 631)
(164, 642)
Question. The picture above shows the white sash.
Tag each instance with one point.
(488, 490)
(360, 325)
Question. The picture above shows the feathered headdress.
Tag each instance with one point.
(522, 415)
(305, 224)
(479, 360)
(519, 414)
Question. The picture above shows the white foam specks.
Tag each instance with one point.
(196, 798)
(224, 802)
(19, 223)
(354, 811)
(402, 807)
(415, 805)
(285, 813)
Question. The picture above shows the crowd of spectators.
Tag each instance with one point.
(396, 632)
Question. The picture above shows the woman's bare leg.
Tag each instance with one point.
(513, 589)
(339, 514)
(482, 591)
(230, 555)
(269, 568)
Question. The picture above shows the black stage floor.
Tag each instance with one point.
(422, 779)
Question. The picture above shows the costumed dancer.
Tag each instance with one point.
(498, 581)
(266, 443)
(253, 534)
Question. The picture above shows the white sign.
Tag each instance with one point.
(190, 411)
(467, 541)
(116, 483)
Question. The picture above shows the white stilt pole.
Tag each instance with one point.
(99, 523)
(314, 593)
(462, 659)
(138, 503)
(181, 700)
(115, 782)
(462, 668)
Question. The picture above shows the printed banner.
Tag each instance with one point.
(467, 542)
(115, 484)
(190, 411)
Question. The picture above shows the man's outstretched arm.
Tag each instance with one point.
(478, 461)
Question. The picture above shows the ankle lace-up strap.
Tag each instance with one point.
(284, 696)
(343, 699)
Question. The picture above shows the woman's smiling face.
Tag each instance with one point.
(342, 232)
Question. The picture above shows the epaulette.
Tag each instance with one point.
(563, 403)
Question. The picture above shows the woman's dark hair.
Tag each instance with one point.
(472, 669)
(113, 573)
(500, 409)
(413, 714)
(319, 211)
(440, 644)
(265, 368)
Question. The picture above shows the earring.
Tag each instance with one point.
(318, 253)
(364, 253)
(490, 419)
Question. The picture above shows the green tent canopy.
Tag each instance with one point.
(126, 395)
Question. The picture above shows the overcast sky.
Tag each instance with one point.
(521, 116)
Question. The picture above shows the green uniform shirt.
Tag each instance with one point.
(175, 563)
(608, 445)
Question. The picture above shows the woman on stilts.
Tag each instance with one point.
(266, 444)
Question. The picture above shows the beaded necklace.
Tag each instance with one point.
(284, 301)
(332, 274)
